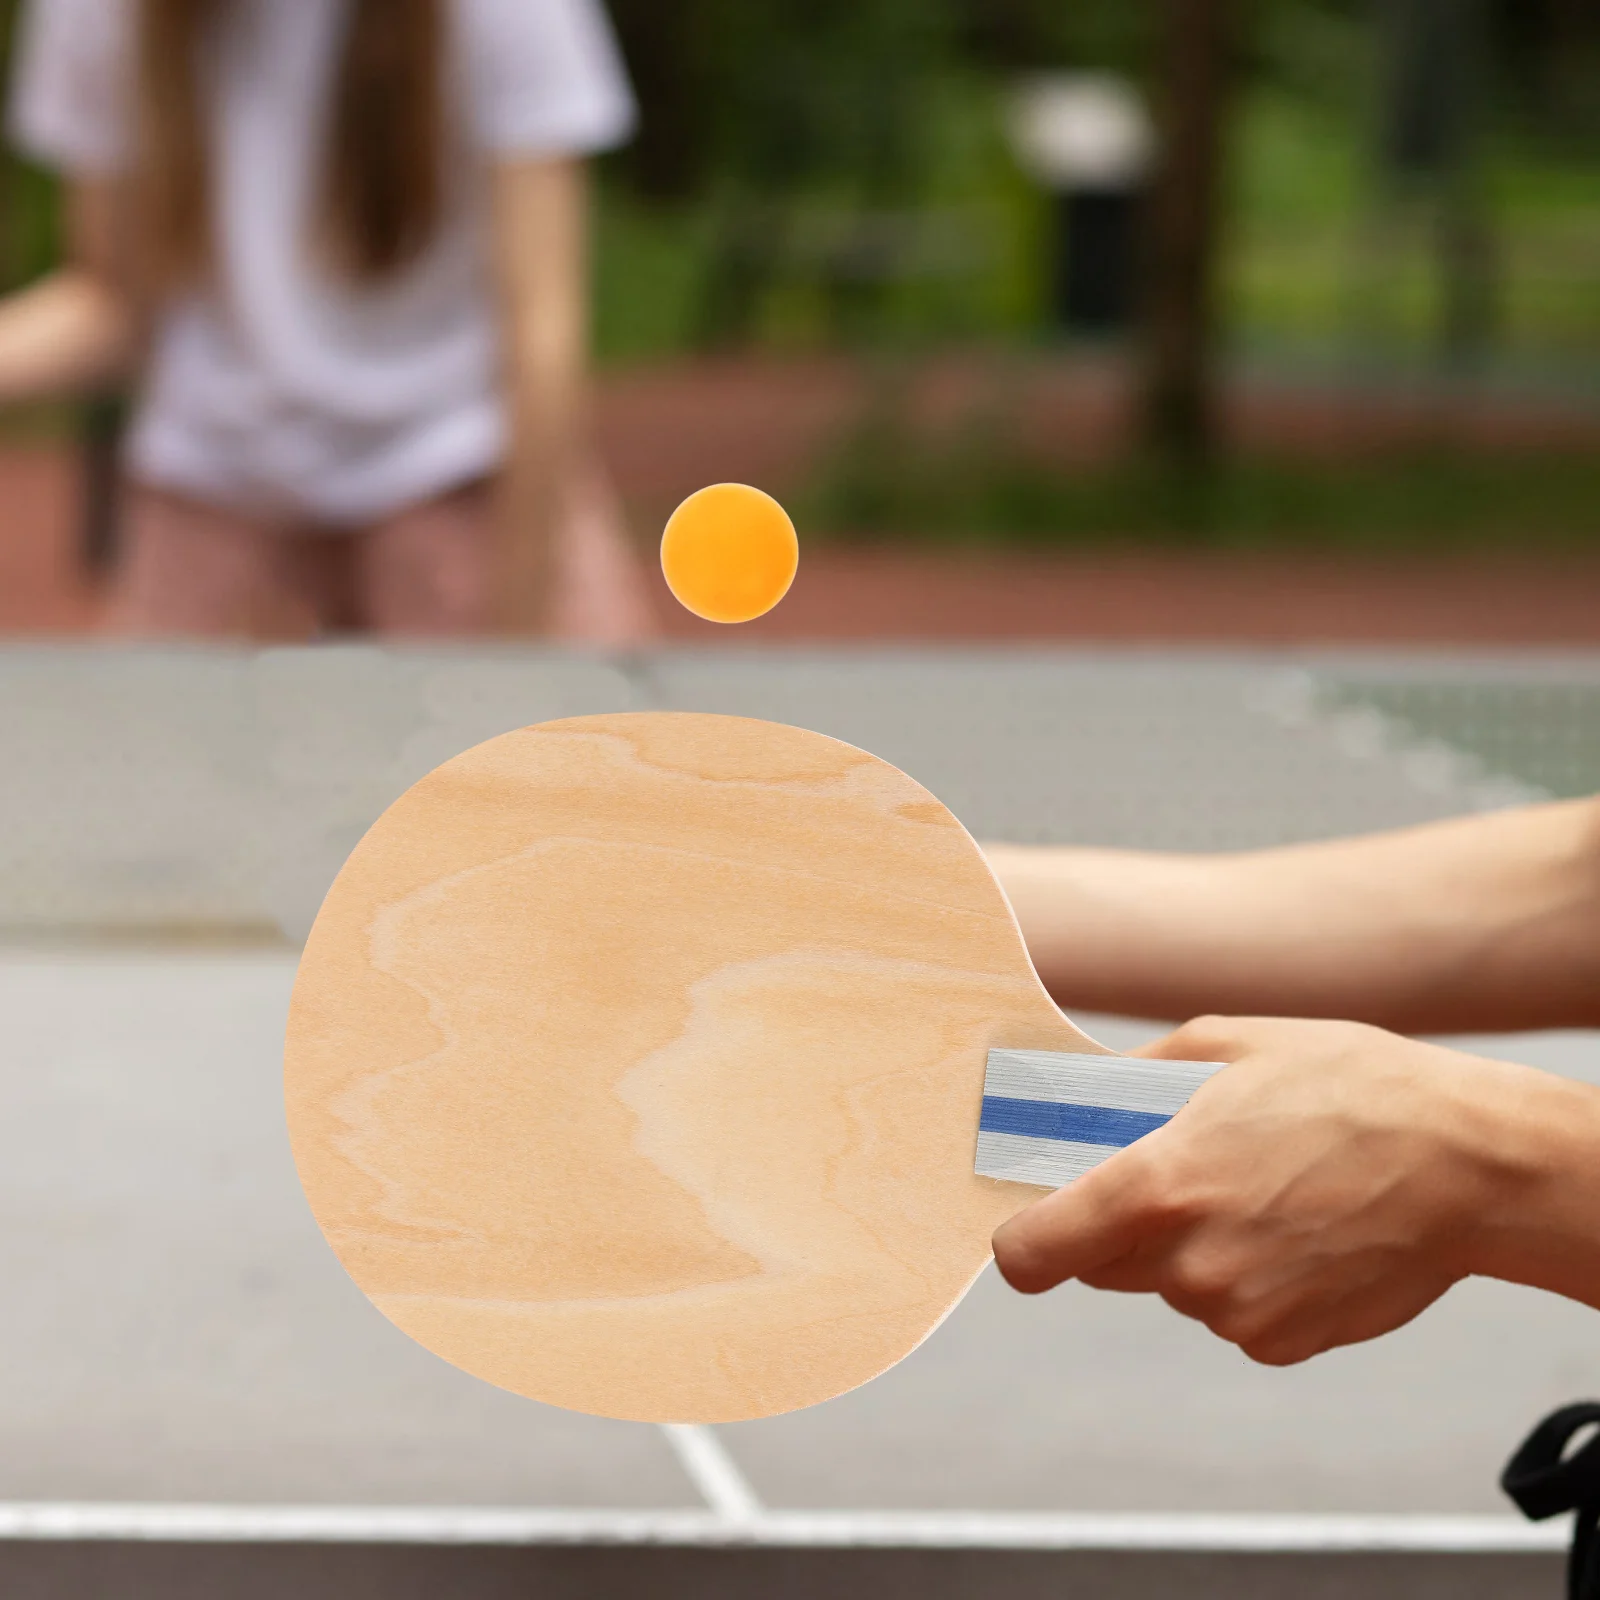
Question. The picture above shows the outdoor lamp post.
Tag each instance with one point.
(1088, 140)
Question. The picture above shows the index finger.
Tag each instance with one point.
(1085, 1226)
(1207, 1038)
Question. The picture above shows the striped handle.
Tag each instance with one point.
(1049, 1117)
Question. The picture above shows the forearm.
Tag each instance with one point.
(528, 509)
(540, 211)
(1488, 922)
(68, 334)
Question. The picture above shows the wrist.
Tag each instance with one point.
(1538, 1149)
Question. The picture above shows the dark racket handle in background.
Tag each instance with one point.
(100, 430)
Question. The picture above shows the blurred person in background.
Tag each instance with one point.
(340, 247)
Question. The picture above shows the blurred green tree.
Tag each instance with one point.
(753, 106)
(786, 91)
(834, 158)
(28, 213)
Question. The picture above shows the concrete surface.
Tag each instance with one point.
(598, 1572)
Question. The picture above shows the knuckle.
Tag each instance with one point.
(1207, 1036)
(1213, 1294)
(1270, 1348)
(1154, 1173)
(1139, 1171)
(1335, 1030)
(1243, 1324)
(1202, 1281)
(1124, 1277)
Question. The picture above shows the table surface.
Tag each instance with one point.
(177, 1331)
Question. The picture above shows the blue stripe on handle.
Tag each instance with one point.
(1046, 1119)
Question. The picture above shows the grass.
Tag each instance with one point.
(958, 254)
(1318, 256)
(1416, 501)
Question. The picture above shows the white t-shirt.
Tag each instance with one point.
(285, 391)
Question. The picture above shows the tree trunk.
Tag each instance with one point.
(1193, 67)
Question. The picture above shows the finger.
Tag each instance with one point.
(1305, 1330)
(1141, 1271)
(1200, 1039)
(1093, 1221)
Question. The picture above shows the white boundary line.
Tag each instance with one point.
(1261, 1533)
(713, 1471)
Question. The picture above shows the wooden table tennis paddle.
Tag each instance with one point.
(636, 1064)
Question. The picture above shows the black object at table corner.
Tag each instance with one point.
(1545, 1482)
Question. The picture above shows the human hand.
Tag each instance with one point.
(602, 596)
(1328, 1186)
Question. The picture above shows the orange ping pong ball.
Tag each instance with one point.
(729, 553)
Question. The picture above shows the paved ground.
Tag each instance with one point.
(1172, 598)
(175, 1328)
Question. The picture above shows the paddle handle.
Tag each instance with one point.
(1049, 1116)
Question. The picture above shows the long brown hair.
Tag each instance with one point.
(382, 179)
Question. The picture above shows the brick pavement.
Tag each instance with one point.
(666, 432)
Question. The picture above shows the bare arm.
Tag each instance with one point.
(541, 256)
(76, 329)
(1479, 923)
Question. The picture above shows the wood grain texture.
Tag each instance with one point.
(634, 1064)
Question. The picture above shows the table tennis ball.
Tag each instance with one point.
(729, 553)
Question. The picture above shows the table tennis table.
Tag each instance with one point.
(198, 1402)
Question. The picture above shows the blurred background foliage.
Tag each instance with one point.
(813, 172)
(818, 174)
(835, 176)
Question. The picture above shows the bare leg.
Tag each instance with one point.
(424, 572)
(321, 567)
(197, 571)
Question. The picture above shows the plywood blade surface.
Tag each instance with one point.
(635, 1062)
